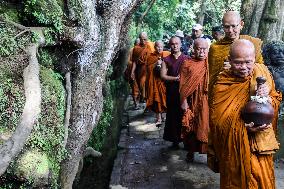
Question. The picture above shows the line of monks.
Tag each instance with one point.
(203, 96)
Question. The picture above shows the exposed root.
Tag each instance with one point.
(68, 107)
(12, 147)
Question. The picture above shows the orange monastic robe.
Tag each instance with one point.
(229, 147)
(133, 84)
(194, 89)
(155, 87)
(219, 52)
(139, 56)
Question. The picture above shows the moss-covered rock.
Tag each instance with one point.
(33, 166)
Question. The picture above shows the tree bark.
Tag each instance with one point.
(201, 14)
(263, 19)
(102, 30)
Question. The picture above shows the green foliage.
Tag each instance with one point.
(76, 6)
(47, 12)
(49, 36)
(9, 44)
(48, 134)
(10, 13)
(165, 17)
(11, 101)
(46, 58)
(35, 37)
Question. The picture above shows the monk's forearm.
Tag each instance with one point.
(133, 67)
(169, 78)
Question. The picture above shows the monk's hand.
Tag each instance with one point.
(251, 128)
(262, 90)
(184, 105)
(177, 78)
(132, 76)
(227, 65)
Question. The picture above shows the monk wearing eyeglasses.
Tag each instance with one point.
(219, 51)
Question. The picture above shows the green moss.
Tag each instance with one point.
(32, 164)
(9, 43)
(46, 58)
(48, 134)
(48, 12)
(11, 101)
(10, 13)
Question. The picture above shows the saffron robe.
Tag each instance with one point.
(155, 86)
(139, 56)
(219, 52)
(194, 89)
(172, 130)
(229, 146)
(133, 84)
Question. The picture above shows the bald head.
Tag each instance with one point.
(241, 47)
(159, 46)
(242, 58)
(232, 14)
(137, 41)
(175, 38)
(175, 44)
(232, 25)
(143, 38)
(200, 49)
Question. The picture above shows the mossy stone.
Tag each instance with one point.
(33, 166)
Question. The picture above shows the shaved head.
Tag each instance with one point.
(232, 14)
(159, 46)
(241, 46)
(242, 58)
(159, 42)
(200, 49)
(174, 38)
(232, 25)
(143, 38)
(137, 41)
(143, 34)
(200, 41)
(175, 44)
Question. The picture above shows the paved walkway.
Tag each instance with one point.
(145, 160)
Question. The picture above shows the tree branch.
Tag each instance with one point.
(146, 11)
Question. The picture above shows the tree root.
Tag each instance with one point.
(68, 107)
(12, 147)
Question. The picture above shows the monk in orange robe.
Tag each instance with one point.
(194, 100)
(219, 51)
(127, 74)
(155, 86)
(232, 148)
(139, 58)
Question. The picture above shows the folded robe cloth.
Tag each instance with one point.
(264, 142)
(187, 123)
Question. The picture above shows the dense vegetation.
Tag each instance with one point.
(165, 17)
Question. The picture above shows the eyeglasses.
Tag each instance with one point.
(227, 27)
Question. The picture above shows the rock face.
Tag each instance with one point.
(82, 46)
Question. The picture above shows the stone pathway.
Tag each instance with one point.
(145, 160)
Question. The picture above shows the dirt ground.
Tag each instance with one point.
(146, 161)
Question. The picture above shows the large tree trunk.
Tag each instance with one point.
(104, 25)
(263, 19)
(201, 14)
